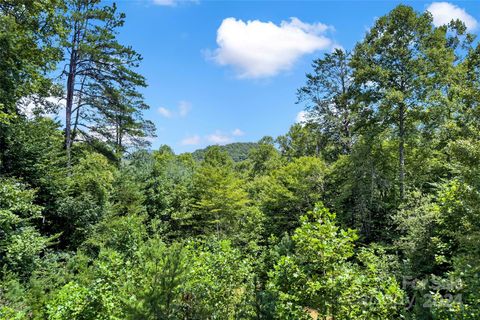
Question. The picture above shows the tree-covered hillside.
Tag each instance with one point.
(367, 210)
(238, 151)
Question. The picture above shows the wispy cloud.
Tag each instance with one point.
(184, 108)
(173, 3)
(237, 133)
(258, 49)
(218, 138)
(164, 112)
(444, 12)
(191, 140)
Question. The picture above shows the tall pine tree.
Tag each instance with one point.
(95, 61)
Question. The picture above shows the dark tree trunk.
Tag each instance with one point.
(72, 70)
(401, 150)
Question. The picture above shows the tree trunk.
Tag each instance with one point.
(401, 150)
(68, 111)
(346, 114)
(119, 140)
(72, 70)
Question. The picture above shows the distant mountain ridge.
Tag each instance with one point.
(237, 150)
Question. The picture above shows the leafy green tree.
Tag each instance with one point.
(124, 234)
(128, 197)
(28, 34)
(264, 157)
(361, 188)
(12, 302)
(85, 199)
(98, 293)
(419, 240)
(195, 280)
(168, 190)
(123, 227)
(329, 97)
(20, 242)
(288, 192)
(69, 302)
(220, 285)
(317, 278)
(439, 233)
(400, 67)
(302, 140)
(33, 152)
(221, 204)
(470, 91)
(56, 269)
(238, 151)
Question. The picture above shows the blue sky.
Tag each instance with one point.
(227, 71)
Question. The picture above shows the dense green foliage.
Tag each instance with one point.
(368, 210)
(238, 151)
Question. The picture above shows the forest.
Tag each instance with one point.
(369, 209)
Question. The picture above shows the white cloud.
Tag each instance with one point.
(164, 112)
(184, 108)
(172, 3)
(164, 2)
(237, 133)
(444, 12)
(262, 49)
(218, 138)
(301, 117)
(191, 140)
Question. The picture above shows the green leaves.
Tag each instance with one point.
(318, 276)
(390, 145)
(200, 280)
(85, 199)
(27, 51)
(20, 242)
(288, 192)
(162, 273)
(329, 98)
(402, 66)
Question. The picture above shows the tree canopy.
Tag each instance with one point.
(369, 209)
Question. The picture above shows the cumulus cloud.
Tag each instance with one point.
(218, 138)
(191, 140)
(164, 112)
(172, 3)
(444, 12)
(259, 49)
(184, 108)
(237, 133)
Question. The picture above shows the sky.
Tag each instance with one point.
(227, 71)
